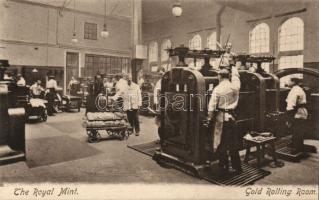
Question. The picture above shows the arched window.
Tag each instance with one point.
(166, 44)
(153, 52)
(291, 45)
(291, 35)
(195, 43)
(259, 39)
(211, 41)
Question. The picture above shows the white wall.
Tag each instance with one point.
(38, 35)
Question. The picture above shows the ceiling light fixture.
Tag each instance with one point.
(104, 32)
(177, 9)
(74, 39)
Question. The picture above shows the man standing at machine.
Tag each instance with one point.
(297, 114)
(157, 88)
(227, 57)
(36, 89)
(20, 80)
(221, 108)
(71, 88)
(52, 86)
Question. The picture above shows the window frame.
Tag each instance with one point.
(153, 53)
(94, 63)
(288, 20)
(164, 46)
(291, 52)
(209, 40)
(192, 40)
(90, 31)
(258, 47)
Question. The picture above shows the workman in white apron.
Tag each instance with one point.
(221, 108)
(297, 114)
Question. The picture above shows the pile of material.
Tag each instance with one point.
(37, 102)
(105, 116)
(105, 120)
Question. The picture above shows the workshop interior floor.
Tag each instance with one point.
(57, 151)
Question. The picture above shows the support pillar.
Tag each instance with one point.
(136, 37)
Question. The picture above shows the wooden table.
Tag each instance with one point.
(260, 144)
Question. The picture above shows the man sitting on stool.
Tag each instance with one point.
(297, 114)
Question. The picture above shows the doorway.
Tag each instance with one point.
(72, 66)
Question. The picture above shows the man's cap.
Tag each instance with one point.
(51, 76)
(161, 70)
(228, 44)
(224, 71)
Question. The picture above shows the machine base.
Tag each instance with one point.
(7, 155)
(210, 172)
(286, 153)
(166, 160)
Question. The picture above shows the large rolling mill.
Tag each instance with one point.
(185, 134)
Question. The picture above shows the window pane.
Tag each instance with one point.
(153, 52)
(211, 41)
(90, 31)
(291, 35)
(259, 39)
(195, 43)
(165, 45)
(289, 62)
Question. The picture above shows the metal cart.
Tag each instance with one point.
(121, 133)
(116, 127)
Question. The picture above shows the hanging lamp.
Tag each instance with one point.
(74, 39)
(177, 9)
(104, 32)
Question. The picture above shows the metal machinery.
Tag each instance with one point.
(12, 121)
(34, 107)
(147, 89)
(72, 100)
(311, 87)
(185, 135)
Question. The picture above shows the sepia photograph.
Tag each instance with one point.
(159, 99)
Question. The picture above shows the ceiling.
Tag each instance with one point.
(156, 10)
(119, 8)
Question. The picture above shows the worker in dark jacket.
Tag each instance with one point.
(95, 88)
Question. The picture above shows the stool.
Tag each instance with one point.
(260, 143)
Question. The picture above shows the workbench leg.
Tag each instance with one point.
(273, 152)
(247, 154)
(258, 156)
(263, 147)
